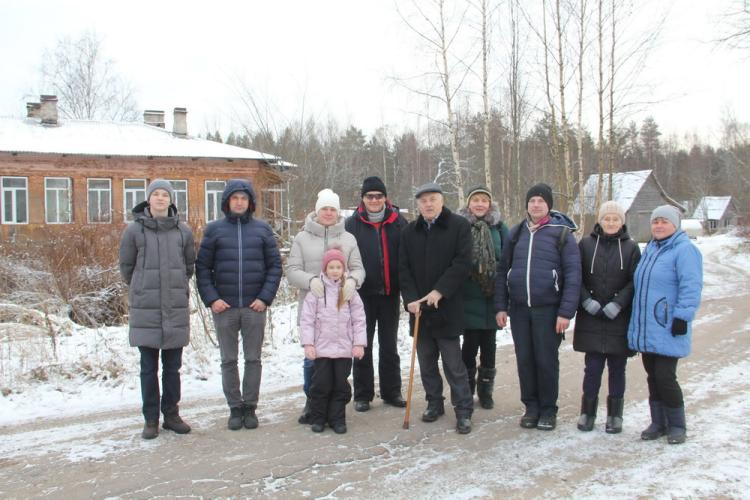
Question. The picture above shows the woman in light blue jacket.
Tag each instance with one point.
(668, 283)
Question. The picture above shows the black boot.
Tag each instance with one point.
(172, 421)
(588, 414)
(434, 410)
(658, 425)
(150, 429)
(614, 415)
(306, 417)
(676, 430)
(235, 418)
(485, 385)
(249, 419)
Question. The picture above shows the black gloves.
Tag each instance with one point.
(679, 327)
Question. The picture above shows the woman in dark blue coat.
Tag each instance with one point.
(608, 260)
(668, 284)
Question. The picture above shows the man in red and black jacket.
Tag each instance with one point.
(377, 227)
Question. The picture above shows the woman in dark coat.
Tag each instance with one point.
(157, 255)
(489, 234)
(608, 258)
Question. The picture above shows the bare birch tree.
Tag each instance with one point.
(582, 43)
(86, 82)
(450, 70)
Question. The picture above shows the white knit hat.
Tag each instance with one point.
(327, 198)
(611, 207)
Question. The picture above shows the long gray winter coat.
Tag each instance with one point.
(156, 259)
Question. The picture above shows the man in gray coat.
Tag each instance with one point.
(238, 271)
(157, 254)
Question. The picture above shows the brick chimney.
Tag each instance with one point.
(154, 117)
(48, 111)
(33, 109)
(180, 122)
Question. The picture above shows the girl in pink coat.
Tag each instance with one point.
(332, 332)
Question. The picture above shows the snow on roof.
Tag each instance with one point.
(625, 187)
(84, 137)
(711, 207)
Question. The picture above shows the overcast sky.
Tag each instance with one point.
(333, 55)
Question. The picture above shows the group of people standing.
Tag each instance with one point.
(463, 274)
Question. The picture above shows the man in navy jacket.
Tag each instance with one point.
(238, 271)
(538, 286)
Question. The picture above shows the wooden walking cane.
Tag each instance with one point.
(411, 368)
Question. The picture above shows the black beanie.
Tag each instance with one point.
(373, 184)
(542, 190)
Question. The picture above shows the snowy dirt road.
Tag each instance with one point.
(102, 455)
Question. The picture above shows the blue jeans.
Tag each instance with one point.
(171, 362)
(536, 344)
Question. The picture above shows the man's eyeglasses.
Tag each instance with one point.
(376, 196)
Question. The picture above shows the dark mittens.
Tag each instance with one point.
(679, 326)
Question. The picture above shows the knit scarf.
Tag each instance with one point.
(483, 257)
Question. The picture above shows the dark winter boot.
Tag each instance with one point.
(435, 409)
(614, 415)
(249, 418)
(658, 425)
(150, 429)
(471, 372)
(676, 430)
(235, 418)
(588, 414)
(485, 385)
(173, 422)
(306, 417)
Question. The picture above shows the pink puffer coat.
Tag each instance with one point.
(332, 331)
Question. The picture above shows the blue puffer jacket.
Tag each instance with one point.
(668, 283)
(239, 259)
(540, 274)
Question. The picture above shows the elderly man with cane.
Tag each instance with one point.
(434, 262)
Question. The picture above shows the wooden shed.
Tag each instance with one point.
(717, 213)
(56, 173)
(638, 192)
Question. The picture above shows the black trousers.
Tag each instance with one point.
(592, 374)
(536, 344)
(429, 350)
(330, 390)
(661, 376)
(383, 311)
(482, 342)
(171, 362)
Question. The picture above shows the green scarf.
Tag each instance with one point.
(483, 257)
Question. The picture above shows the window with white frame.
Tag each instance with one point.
(134, 192)
(712, 223)
(180, 198)
(57, 200)
(99, 200)
(15, 200)
(214, 190)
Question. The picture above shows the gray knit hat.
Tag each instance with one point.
(667, 212)
(160, 184)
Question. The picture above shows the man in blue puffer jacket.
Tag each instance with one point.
(238, 271)
(538, 285)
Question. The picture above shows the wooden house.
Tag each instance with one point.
(638, 192)
(717, 213)
(57, 173)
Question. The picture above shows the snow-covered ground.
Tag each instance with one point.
(91, 371)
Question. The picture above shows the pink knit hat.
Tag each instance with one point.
(333, 254)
